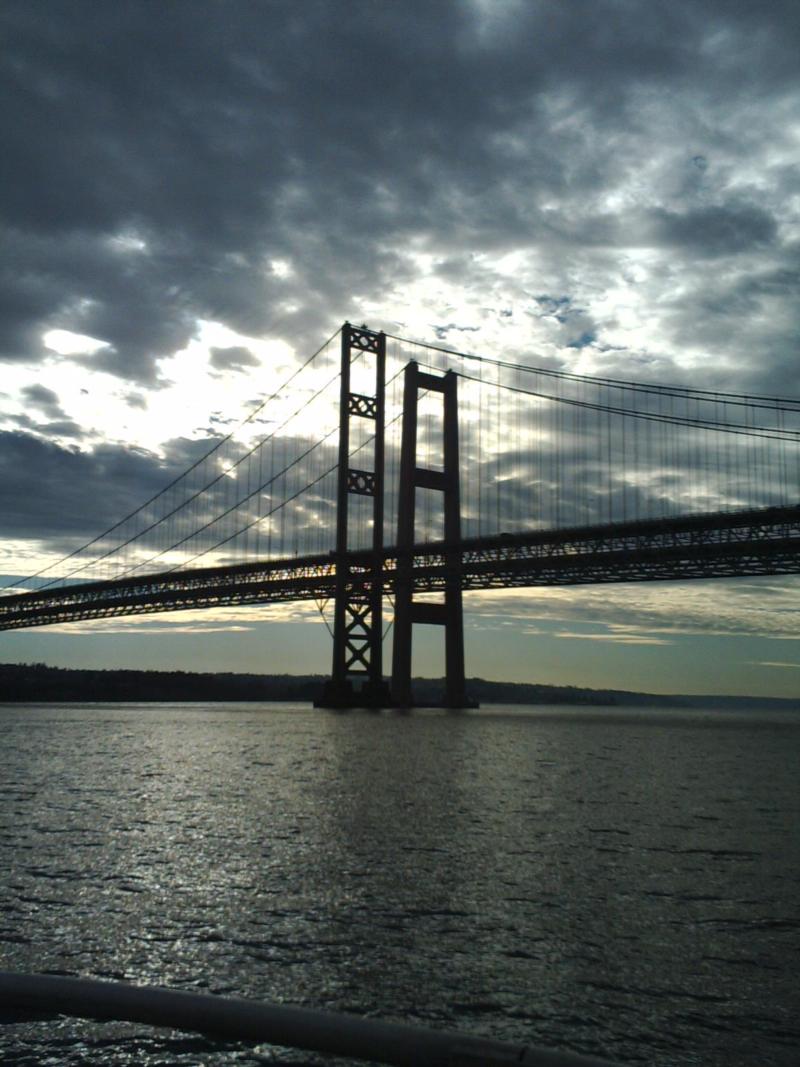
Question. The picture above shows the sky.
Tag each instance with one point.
(194, 195)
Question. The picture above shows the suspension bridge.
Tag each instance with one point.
(386, 469)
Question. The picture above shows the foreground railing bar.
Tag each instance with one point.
(248, 1020)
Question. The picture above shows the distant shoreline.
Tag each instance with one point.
(37, 681)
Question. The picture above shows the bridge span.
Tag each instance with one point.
(370, 485)
(755, 543)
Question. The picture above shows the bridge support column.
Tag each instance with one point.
(358, 609)
(408, 611)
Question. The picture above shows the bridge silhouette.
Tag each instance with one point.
(383, 468)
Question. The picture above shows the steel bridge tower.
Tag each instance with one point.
(357, 674)
(358, 606)
(408, 611)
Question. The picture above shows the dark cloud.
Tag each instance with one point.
(39, 396)
(136, 400)
(235, 358)
(155, 162)
(58, 428)
(78, 493)
(63, 428)
(718, 230)
(443, 331)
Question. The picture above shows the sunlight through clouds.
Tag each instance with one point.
(67, 343)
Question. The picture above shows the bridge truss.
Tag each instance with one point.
(752, 543)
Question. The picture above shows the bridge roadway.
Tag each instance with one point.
(720, 545)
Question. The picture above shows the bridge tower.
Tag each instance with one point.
(408, 611)
(358, 609)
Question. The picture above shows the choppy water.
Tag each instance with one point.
(624, 883)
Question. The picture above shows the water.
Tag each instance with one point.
(623, 883)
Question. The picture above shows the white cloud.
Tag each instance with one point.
(617, 637)
(67, 343)
(657, 611)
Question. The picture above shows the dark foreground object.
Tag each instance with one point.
(249, 1020)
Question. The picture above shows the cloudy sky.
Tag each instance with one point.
(195, 195)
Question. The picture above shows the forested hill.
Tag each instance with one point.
(38, 682)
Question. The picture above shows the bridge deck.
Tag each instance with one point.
(721, 545)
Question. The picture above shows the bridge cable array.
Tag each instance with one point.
(540, 448)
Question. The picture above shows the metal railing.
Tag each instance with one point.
(230, 1018)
